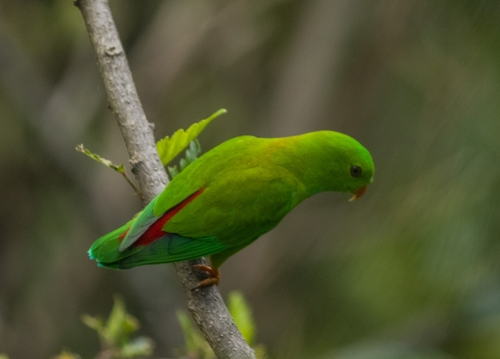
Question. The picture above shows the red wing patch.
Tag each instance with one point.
(155, 231)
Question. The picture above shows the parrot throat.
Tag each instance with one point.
(156, 231)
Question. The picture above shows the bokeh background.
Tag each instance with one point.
(409, 271)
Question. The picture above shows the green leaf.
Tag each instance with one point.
(3, 356)
(120, 324)
(260, 351)
(190, 335)
(115, 332)
(173, 171)
(64, 355)
(192, 154)
(141, 346)
(193, 151)
(169, 147)
(242, 315)
(95, 323)
(196, 345)
(183, 163)
(118, 168)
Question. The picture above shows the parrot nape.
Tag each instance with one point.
(232, 195)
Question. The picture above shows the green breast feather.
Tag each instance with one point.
(232, 195)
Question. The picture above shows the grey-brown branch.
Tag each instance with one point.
(206, 304)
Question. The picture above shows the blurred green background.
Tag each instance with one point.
(409, 271)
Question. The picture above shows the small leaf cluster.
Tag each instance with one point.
(66, 355)
(242, 314)
(168, 148)
(115, 333)
(192, 154)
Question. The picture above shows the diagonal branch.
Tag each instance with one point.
(206, 304)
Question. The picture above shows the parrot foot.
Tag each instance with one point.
(213, 276)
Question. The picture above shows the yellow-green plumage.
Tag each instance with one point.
(232, 195)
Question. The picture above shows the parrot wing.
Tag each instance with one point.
(148, 243)
(171, 248)
(148, 225)
(143, 221)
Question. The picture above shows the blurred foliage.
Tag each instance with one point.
(410, 270)
(242, 315)
(243, 318)
(67, 355)
(196, 346)
(117, 342)
(115, 334)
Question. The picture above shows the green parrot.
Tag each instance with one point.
(232, 195)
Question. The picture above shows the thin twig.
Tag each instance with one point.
(206, 304)
(134, 187)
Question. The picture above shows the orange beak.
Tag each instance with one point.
(358, 194)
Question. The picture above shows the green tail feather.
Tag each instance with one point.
(167, 249)
(105, 249)
(170, 248)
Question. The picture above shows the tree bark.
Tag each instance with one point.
(206, 304)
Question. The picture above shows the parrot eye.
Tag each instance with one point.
(356, 171)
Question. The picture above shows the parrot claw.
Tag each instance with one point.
(213, 276)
